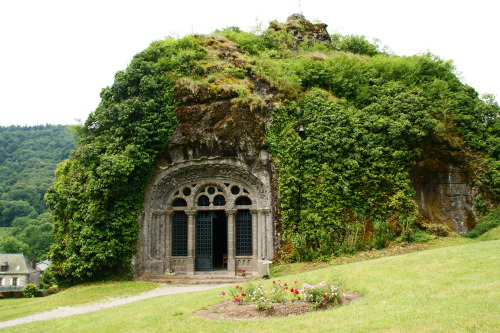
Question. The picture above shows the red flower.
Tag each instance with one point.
(324, 296)
(243, 295)
(296, 292)
(285, 285)
(274, 282)
(294, 281)
(292, 290)
(236, 299)
(237, 287)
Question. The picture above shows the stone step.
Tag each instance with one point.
(197, 279)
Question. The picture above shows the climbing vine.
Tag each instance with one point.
(99, 190)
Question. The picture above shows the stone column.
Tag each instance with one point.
(255, 235)
(168, 239)
(265, 235)
(191, 241)
(231, 242)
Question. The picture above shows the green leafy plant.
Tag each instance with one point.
(30, 290)
(488, 222)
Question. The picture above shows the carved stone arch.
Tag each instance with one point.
(171, 179)
(185, 180)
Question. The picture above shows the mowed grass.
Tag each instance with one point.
(448, 289)
(16, 308)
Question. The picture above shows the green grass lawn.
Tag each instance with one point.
(16, 308)
(446, 289)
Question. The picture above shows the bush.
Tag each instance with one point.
(11, 294)
(419, 236)
(52, 290)
(488, 222)
(30, 290)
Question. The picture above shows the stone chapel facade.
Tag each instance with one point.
(211, 216)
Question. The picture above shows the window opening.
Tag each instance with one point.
(211, 190)
(219, 200)
(243, 233)
(179, 234)
(243, 201)
(186, 191)
(179, 202)
(235, 190)
(203, 201)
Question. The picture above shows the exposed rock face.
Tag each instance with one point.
(301, 29)
(444, 194)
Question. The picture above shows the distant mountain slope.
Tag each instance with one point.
(28, 159)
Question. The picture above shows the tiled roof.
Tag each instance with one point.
(18, 264)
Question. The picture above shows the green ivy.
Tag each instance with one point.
(100, 189)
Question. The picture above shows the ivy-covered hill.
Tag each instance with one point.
(28, 158)
(369, 119)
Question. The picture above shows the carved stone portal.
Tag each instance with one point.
(210, 216)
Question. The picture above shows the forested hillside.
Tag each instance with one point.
(28, 159)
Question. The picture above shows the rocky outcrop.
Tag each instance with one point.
(445, 194)
(301, 29)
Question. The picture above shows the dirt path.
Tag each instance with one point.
(66, 311)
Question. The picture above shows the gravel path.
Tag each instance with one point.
(66, 311)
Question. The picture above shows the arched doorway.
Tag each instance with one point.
(212, 217)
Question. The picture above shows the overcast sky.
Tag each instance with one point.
(57, 55)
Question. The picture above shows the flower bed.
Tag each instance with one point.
(321, 295)
(253, 301)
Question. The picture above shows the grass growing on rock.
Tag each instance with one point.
(448, 289)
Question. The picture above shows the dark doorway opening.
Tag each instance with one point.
(219, 236)
(211, 240)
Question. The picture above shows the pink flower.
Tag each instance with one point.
(223, 293)
(294, 281)
(236, 299)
